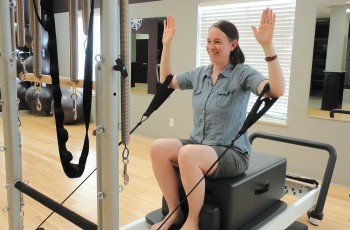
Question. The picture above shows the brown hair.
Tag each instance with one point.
(236, 56)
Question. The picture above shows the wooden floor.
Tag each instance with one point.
(41, 167)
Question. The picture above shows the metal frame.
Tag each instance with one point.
(107, 118)
(13, 163)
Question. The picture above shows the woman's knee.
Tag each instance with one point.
(164, 147)
(200, 156)
(156, 147)
(187, 155)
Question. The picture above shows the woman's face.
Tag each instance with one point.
(219, 46)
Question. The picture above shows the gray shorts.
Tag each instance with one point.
(233, 163)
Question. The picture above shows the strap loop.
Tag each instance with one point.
(70, 169)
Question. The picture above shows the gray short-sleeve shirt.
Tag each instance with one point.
(219, 111)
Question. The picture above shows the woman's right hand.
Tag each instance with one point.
(169, 30)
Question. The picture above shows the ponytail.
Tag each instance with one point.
(237, 56)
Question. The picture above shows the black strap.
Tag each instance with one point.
(255, 114)
(163, 92)
(70, 169)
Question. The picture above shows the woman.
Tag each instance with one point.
(220, 96)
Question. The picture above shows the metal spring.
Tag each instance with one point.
(125, 85)
(37, 43)
(86, 16)
(13, 31)
(73, 32)
(20, 23)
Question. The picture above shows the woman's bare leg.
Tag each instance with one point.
(194, 161)
(164, 155)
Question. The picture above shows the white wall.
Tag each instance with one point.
(178, 106)
(302, 161)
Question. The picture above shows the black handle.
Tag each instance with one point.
(264, 189)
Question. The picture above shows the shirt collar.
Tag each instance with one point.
(225, 73)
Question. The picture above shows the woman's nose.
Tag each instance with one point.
(210, 45)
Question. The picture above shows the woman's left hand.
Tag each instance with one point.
(267, 25)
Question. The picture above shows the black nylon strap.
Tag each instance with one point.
(70, 169)
(255, 114)
(162, 94)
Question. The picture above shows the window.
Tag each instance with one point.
(244, 14)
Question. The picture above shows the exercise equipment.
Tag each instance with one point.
(29, 65)
(275, 216)
(67, 107)
(106, 146)
(38, 99)
(12, 142)
(252, 200)
(20, 23)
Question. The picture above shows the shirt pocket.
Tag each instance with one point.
(196, 98)
(224, 98)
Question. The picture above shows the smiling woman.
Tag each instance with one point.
(243, 15)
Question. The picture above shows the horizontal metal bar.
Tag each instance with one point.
(56, 207)
(64, 81)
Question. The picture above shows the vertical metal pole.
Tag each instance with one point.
(10, 117)
(107, 141)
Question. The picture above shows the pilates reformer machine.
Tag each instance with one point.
(249, 201)
(252, 200)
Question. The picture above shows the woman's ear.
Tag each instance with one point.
(234, 44)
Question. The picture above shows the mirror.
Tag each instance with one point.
(330, 75)
(146, 47)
